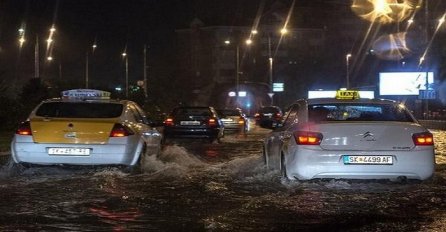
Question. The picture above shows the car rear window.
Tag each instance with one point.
(205, 112)
(358, 112)
(224, 113)
(269, 110)
(79, 110)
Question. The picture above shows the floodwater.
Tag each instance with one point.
(215, 187)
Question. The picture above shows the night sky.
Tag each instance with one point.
(114, 25)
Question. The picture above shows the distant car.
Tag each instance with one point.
(352, 139)
(268, 116)
(233, 119)
(85, 127)
(201, 122)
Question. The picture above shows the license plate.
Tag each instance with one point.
(226, 120)
(190, 123)
(375, 159)
(68, 151)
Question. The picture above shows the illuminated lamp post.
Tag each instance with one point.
(347, 61)
(50, 44)
(237, 66)
(124, 55)
(94, 46)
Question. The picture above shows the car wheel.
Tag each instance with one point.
(265, 157)
(138, 167)
(283, 167)
(216, 140)
(16, 168)
(165, 140)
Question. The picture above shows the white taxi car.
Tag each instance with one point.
(351, 138)
(85, 127)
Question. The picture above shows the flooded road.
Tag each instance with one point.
(215, 187)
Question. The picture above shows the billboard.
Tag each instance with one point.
(403, 83)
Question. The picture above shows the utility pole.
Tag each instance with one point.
(145, 71)
(426, 18)
(86, 70)
(36, 58)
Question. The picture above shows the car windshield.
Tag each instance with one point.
(79, 110)
(358, 112)
(269, 110)
(225, 113)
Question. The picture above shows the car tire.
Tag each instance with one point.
(265, 157)
(216, 140)
(138, 167)
(283, 171)
(165, 140)
(16, 168)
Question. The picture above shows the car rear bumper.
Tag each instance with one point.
(305, 164)
(109, 154)
(234, 127)
(192, 132)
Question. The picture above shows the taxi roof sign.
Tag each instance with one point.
(347, 94)
(91, 94)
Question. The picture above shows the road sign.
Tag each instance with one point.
(427, 94)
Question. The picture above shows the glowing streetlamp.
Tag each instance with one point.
(283, 31)
(248, 42)
(21, 37)
(124, 55)
(87, 72)
(50, 44)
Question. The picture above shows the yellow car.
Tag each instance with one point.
(85, 127)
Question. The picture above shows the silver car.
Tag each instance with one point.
(352, 139)
(85, 127)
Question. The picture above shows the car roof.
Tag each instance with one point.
(348, 101)
(87, 100)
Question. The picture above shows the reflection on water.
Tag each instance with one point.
(213, 187)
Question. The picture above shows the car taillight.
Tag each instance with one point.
(120, 130)
(212, 122)
(278, 115)
(423, 139)
(24, 129)
(308, 138)
(168, 122)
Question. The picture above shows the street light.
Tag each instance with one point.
(50, 45)
(347, 60)
(94, 46)
(124, 55)
(248, 42)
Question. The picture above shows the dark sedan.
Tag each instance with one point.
(200, 122)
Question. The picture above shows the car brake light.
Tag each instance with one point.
(120, 130)
(168, 122)
(212, 122)
(307, 138)
(423, 139)
(24, 129)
